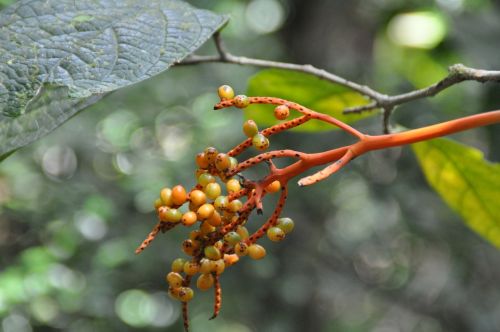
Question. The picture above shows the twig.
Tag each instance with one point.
(457, 73)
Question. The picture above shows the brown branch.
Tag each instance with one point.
(457, 73)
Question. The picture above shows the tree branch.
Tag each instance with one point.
(457, 73)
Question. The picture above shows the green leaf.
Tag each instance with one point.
(307, 90)
(59, 56)
(469, 184)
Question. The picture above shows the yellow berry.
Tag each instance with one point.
(235, 205)
(197, 197)
(222, 162)
(260, 142)
(191, 268)
(205, 211)
(250, 128)
(241, 101)
(166, 196)
(241, 249)
(178, 265)
(212, 253)
(256, 251)
(225, 92)
(275, 234)
(233, 185)
(185, 294)
(219, 266)
(189, 218)
(174, 279)
(212, 190)
(205, 281)
(215, 220)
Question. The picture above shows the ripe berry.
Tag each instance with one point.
(225, 92)
(205, 179)
(197, 197)
(205, 281)
(212, 253)
(189, 218)
(242, 231)
(281, 112)
(185, 294)
(212, 190)
(232, 238)
(205, 211)
(241, 249)
(250, 128)
(215, 220)
(241, 101)
(260, 142)
(158, 203)
(273, 187)
(174, 279)
(256, 251)
(219, 266)
(201, 160)
(210, 154)
(231, 259)
(191, 268)
(206, 228)
(286, 224)
(206, 266)
(166, 196)
(162, 213)
(233, 185)
(275, 234)
(196, 235)
(222, 162)
(178, 265)
(179, 195)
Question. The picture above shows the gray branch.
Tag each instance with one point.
(457, 73)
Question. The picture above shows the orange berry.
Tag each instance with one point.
(273, 187)
(179, 195)
(166, 196)
(189, 218)
(281, 112)
(205, 211)
(197, 197)
(201, 160)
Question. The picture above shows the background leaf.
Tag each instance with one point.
(59, 56)
(308, 90)
(469, 184)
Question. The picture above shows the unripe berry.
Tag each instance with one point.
(173, 215)
(256, 251)
(189, 218)
(206, 228)
(191, 268)
(281, 112)
(232, 238)
(205, 179)
(234, 162)
(225, 92)
(166, 196)
(162, 213)
(158, 203)
(233, 185)
(241, 249)
(241, 101)
(273, 187)
(286, 224)
(212, 190)
(205, 281)
(275, 234)
(197, 197)
(222, 162)
(235, 205)
(201, 160)
(212, 253)
(185, 294)
(250, 128)
(178, 265)
(260, 142)
(174, 279)
(179, 195)
(242, 231)
(221, 203)
(205, 211)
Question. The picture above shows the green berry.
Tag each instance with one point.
(185, 294)
(250, 128)
(173, 215)
(233, 185)
(275, 234)
(232, 238)
(286, 224)
(205, 179)
(225, 92)
(212, 190)
(233, 162)
(206, 266)
(235, 205)
(221, 203)
(212, 253)
(242, 231)
(191, 268)
(260, 142)
(178, 265)
(241, 101)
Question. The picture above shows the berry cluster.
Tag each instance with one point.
(219, 206)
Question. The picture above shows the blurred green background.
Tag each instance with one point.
(374, 248)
